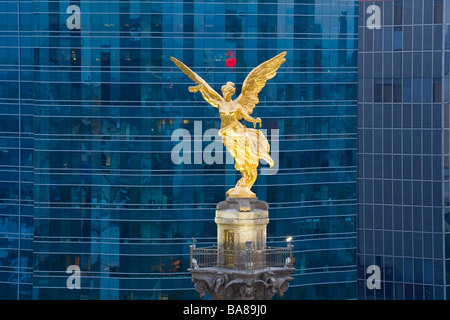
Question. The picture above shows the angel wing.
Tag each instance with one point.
(210, 92)
(256, 80)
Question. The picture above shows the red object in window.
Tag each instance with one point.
(231, 61)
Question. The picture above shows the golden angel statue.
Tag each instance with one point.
(246, 145)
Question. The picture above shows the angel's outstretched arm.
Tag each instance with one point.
(248, 118)
(207, 92)
(206, 95)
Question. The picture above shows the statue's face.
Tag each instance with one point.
(228, 91)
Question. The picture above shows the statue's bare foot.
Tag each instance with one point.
(230, 191)
(240, 192)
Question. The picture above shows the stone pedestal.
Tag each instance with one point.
(241, 267)
(241, 232)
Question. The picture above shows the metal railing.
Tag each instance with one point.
(275, 257)
(203, 257)
(249, 260)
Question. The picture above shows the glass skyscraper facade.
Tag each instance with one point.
(403, 149)
(90, 102)
(16, 151)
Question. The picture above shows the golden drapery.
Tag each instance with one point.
(246, 145)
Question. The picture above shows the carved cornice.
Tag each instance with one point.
(224, 285)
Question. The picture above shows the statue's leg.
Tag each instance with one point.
(251, 177)
(243, 181)
(248, 178)
(242, 188)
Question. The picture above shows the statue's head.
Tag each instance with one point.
(228, 91)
